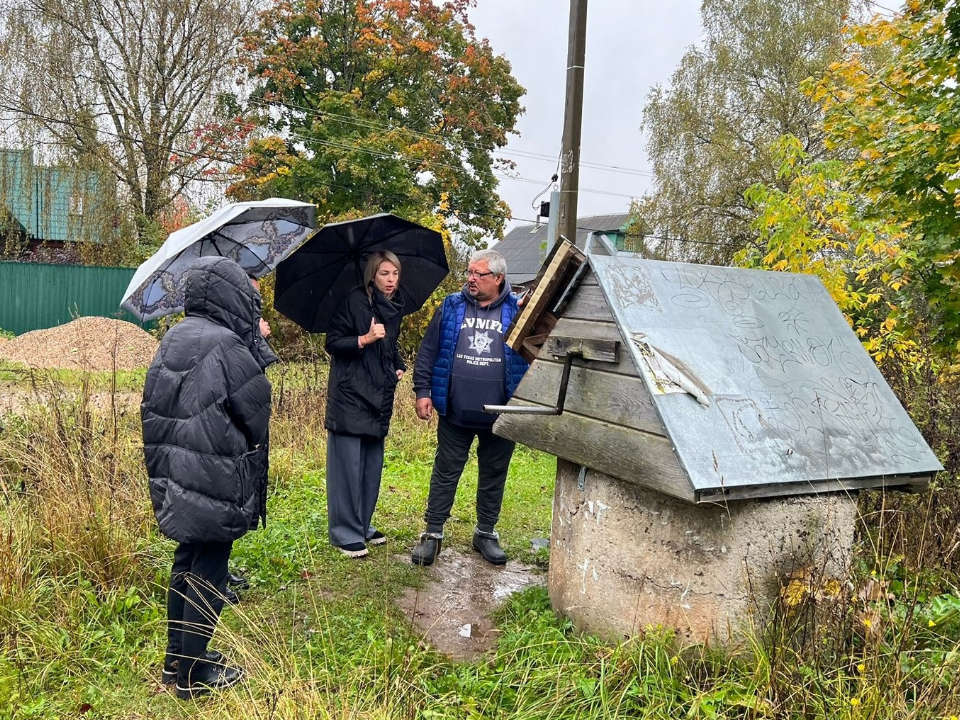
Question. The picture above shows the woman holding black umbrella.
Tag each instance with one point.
(366, 367)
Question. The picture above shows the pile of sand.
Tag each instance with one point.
(87, 343)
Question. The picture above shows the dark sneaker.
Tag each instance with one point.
(378, 538)
(168, 676)
(488, 545)
(354, 550)
(207, 677)
(230, 597)
(426, 551)
(237, 581)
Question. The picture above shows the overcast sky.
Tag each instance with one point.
(632, 45)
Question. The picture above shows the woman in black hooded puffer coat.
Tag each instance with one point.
(362, 340)
(205, 412)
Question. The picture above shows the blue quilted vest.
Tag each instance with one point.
(451, 319)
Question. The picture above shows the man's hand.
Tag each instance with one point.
(424, 408)
(399, 375)
(264, 328)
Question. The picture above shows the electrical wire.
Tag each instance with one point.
(371, 124)
(323, 143)
(456, 213)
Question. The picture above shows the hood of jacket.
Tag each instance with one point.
(219, 290)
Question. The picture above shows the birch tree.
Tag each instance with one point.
(711, 130)
(138, 88)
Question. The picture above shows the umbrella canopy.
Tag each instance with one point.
(257, 235)
(312, 280)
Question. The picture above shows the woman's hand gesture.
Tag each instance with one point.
(376, 332)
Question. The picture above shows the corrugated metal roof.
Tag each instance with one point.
(759, 379)
(524, 247)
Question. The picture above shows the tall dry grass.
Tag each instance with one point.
(924, 529)
(73, 485)
(82, 571)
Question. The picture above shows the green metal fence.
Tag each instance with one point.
(34, 296)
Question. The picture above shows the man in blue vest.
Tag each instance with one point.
(462, 365)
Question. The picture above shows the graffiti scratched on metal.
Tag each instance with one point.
(793, 396)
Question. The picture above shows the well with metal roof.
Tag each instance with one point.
(712, 427)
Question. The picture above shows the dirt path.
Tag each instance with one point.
(461, 593)
(15, 398)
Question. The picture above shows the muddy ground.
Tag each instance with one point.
(454, 608)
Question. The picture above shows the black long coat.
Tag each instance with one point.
(363, 381)
(206, 411)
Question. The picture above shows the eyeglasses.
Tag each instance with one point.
(478, 275)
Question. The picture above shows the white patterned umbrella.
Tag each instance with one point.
(257, 235)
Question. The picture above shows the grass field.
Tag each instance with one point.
(83, 572)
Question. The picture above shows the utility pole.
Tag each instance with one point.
(572, 120)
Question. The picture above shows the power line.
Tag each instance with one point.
(387, 155)
(371, 124)
(306, 139)
(434, 163)
(209, 156)
(685, 240)
(690, 241)
(882, 7)
(213, 157)
(455, 212)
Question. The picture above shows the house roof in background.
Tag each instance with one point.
(524, 247)
(48, 201)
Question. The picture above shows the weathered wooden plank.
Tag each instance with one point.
(592, 329)
(589, 278)
(589, 304)
(533, 343)
(631, 455)
(600, 350)
(605, 396)
(589, 330)
(559, 266)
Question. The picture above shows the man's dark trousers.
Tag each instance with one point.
(197, 583)
(453, 448)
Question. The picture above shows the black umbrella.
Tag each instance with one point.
(312, 280)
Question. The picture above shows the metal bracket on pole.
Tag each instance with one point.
(553, 221)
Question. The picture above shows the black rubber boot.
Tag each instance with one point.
(488, 545)
(427, 549)
(237, 581)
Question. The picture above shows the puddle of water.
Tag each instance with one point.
(461, 591)
(502, 591)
